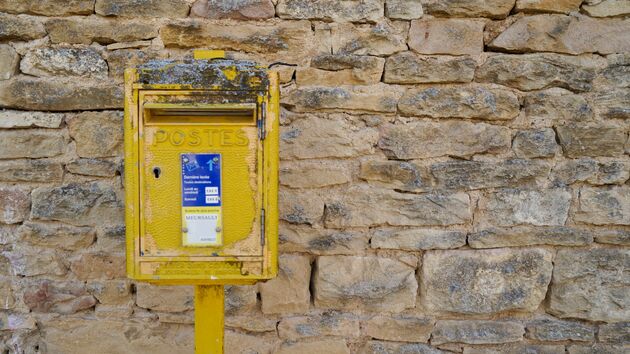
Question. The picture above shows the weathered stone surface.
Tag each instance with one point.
(164, 298)
(299, 238)
(617, 72)
(21, 119)
(399, 328)
(553, 6)
(249, 323)
(29, 261)
(326, 324)
(399, 175)
(20, 28)
(614, 237)
(99, 266)
(373, 98)
(378, 347)
(549, 329)
(313, 174)
(392, 208)
(6, 293)
(9, 61)
(556, 106)
(119, 60)
(612, 104)
(411, 68)
(601, 206)
(337, 135)
(64, 298)
(85, 30)
(510, 207)
(579, 140)
(428, 139)
(84, 62)
(384, 38)
(516, 348)
(591, 171)
(460, 102)
(615, 332)
(596, 348)
(15, 204)
(92, 167)
(342, 69)
(417, 240)
(573, 34)
(477, 332)
(485, 281)
(48, 7)
(330, 10)
(329, 346)
(31, 143)
(404, 9)
(369, 283)
(111, 292)
(473, 175)
(468, 8)
(78, 204)
(97, 134)
(446, 36)
(607, 8)
(289, 292)
(535, 143)
(300, 206)
(59, 95)
(538, 71)
(241, 10)
(528, 236)
(57, 235)
(591, 284)
(240, 298)
(142, 8)
(237, 342)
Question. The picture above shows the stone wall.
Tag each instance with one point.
(454, 175)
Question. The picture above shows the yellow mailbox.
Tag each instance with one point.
(201, 174)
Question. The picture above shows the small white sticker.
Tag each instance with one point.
(212, 190)
(212, 199)
(201, 228)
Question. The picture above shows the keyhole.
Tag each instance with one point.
(156, 172)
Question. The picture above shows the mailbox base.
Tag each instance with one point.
(209, 310)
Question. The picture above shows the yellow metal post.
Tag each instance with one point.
(209, 319)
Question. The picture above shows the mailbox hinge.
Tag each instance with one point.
(262, 226)
(262, 131)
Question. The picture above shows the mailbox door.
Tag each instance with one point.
(176, 127)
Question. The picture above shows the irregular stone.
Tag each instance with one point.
(14, 323)
(342, 69)
(485, 281)
(553, 6)
(92, 167)
(240, 298)
(612, 104)
(294, 238)
(590, 284)
(97, 134)
(446, 36)
(48, 7)
(615, 332)
(127, 45)
(378, 347)
(250, 324)
(373, 98)
(614, 237)
(113, 311)
(383, 38)
(6, 293)
(549, 329)
(289, 292)
(78, 204)
(601, 206)
(7, 236)
(417, 240)
(9, 61)
(592, 171)
(607, 8)
(91, 266)
(337, 135)
(142, 8)
(403, 9)
(30, 261)
(32, 143)
(64, 298)
(20, 28)
(516, 348)
(595, 348)
(471, 175)
(111, 238)
(617, 71)
(510, 207)
(530, 144)
(83, 62)
(392, 208)
(300, 207)
(240, 10)
(21, 119)
(327, 324)
(400, 328)
(164, 298)
(477, 332)
(85, 30)
(460, 102)
(330, 10)
(119, 60)
(329, 346)
(56, 235)
(417, 140)
(591, 139)
(370, 283)
(15, 204)
(237, 342)
(411, 68)
(538, 71)
(399, 175)
(573, 34)
(556, 106)
(307, 174)
(111, 292)
(26, 93)
(468, 8)
(528, 236)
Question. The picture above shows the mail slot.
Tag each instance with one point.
(201, 172)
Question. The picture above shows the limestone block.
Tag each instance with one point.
(417, 239)
(578, 140)
(528, 236)
(477, 332)
(59, 236)
(142, 8)
(85, 30)
(331, 10)
(32, 143)
(15, 204)
(241, 10)
(289, 292)
(97, 134)
(535, 143)
(411, 68)
(83, 62)
(446, 36)
(164, 298)
(601, 206)
(511, 207)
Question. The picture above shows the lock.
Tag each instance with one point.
(201, 171)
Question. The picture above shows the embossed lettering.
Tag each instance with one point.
(199, 137)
